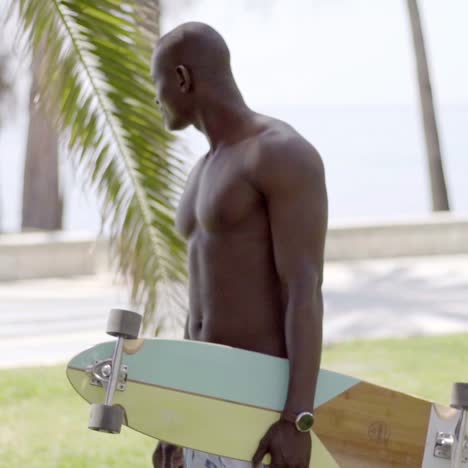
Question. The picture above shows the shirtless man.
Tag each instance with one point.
(254, 214)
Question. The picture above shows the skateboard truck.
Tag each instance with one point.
(455, 446)
(110, 373)
(100, 372)
(444, 445)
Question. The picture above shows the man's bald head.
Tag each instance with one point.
(191, 67)
(197, 46)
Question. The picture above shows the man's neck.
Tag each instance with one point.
(224, 121)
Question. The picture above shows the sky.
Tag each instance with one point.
(334, 52)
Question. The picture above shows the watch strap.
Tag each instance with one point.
(289, 416)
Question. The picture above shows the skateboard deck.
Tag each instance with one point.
(221, 400)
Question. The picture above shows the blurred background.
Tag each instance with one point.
(379, 88)
(341, 72)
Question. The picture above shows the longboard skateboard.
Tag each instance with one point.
(221, 400)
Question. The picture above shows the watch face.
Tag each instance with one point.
(305, 421)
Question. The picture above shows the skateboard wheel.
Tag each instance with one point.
(123, 323)
(105, 418)
(460, 396)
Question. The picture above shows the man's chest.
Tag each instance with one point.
(218, 196)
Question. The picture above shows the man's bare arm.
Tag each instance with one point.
(291, 177)
(293, 182)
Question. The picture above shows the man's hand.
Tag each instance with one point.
(168, 456)
(288, 447)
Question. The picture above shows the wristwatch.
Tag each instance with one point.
(303, 421)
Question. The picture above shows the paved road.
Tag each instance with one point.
(48, 321)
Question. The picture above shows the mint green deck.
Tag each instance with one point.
(215, 371)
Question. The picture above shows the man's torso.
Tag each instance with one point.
(234, 292)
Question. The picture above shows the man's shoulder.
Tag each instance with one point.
(282, 150)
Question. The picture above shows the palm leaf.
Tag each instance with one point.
(96, 83)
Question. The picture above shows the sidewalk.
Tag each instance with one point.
(48, 321)
(396, 297)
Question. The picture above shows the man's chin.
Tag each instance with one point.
(175, 125)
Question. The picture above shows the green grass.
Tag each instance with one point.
(423, 366)
(43, 423)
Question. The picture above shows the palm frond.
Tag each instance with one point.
(95, 81)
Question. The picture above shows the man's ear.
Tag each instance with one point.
(184, 80)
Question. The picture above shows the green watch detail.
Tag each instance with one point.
(304, 421)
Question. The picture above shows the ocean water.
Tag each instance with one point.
(374, 159)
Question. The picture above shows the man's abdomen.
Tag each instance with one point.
(234, 293)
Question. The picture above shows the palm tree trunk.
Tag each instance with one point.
(42, 202)
(440, 200)
(5, 84)
(5, 88)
